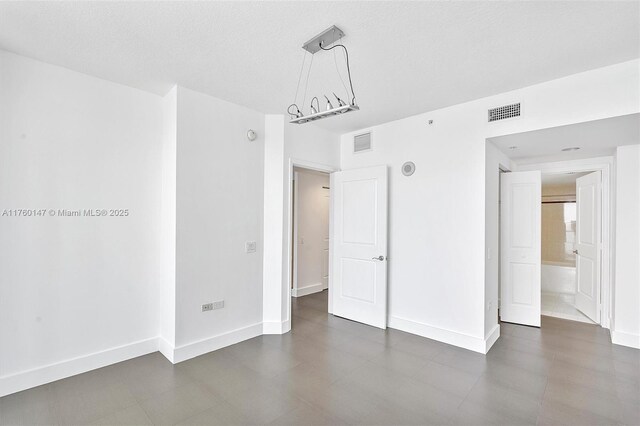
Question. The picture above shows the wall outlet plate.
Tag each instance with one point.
(218, 305)
(250, 247)
(207, 307)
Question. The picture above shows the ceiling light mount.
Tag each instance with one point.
(327, 40)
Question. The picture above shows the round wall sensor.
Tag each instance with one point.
(408, 168)
(252, 135)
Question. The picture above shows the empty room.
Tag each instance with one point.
(320, 213)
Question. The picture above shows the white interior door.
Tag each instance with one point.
(359, 258)
(520, 249)
(588, 236)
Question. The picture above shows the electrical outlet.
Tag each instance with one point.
(207, 307)
(218, 305)
(250, 247)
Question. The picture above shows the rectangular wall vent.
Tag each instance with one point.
(504, 112)
(362, 142)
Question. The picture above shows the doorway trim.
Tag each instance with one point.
(604, 165)
(318, 167)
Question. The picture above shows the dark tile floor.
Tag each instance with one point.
(334, 371)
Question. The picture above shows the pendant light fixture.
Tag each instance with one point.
(325, 41)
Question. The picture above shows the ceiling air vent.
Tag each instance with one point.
(504, 112)
(362, 142)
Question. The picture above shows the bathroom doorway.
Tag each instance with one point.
(559, 252)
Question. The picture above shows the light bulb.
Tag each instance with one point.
(329, 105)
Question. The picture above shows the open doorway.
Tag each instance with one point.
(551, 245)
(559, 280)
(355, 266)
(310, 243)
(586, 150)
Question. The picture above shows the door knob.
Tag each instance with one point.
(380, 258)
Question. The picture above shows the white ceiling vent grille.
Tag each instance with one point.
(504, 112)
(362, 142)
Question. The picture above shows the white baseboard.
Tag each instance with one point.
(166, 349)
(308, 289)
(476, 344)
(491, 338)
(276, 327)
(39, 376)
(625, 339)
(192, 350)
(49, 373)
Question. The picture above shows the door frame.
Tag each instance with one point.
(604, 165)
(295, 219)
(318, 167)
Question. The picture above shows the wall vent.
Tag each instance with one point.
(504, 112)
(362, 142)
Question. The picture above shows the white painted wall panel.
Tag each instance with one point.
(74, 286)
(626, 310)
(219, 208)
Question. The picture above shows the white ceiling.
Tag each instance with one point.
(406, 57)
(594, 138)
(555, 179)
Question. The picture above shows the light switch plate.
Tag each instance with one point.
(250, 247)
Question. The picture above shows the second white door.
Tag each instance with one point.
(520, 246)
(588, 244)
(359, 259)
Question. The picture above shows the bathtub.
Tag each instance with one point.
(558, 278)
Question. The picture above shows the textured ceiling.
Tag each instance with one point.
(594, 138)
(406, 57)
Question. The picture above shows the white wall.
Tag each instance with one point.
(77, 293)
(77, 288)
(167, 284)
(274, 322)
(626, 312)
(311, 224)
(219, 208)
(437, 242)
(308, 142)
(436, 221)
